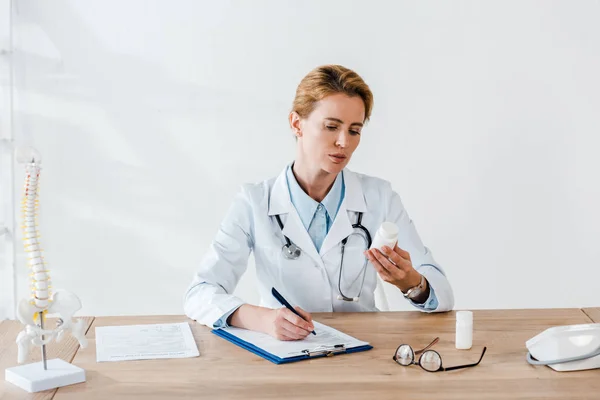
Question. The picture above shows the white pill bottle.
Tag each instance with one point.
(464, 330)
(387, 235)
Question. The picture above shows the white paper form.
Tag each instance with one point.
(145, 342)
(326, 337)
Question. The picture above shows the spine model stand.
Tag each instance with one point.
(32, 312)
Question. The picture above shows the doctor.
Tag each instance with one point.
(297, 222)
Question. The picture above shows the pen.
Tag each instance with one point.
(287, 305)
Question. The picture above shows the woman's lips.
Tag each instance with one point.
(337, 158)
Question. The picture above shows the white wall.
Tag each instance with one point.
(150, 115)
(7, 268)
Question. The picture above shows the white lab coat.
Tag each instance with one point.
(311, 281)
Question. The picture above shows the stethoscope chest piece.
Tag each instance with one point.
(291, 251)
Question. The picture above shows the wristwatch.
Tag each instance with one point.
(415, 291)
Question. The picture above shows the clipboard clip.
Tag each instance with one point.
(325, 350)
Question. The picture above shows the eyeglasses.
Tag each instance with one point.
(430, 360)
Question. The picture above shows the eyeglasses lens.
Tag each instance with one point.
(431, 361)
(405, 355)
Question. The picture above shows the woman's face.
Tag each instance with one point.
(331, 132)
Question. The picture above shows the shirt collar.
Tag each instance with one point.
(307, 206)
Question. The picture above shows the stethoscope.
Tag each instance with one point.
(292, 252)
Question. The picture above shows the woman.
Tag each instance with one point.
(312, 205)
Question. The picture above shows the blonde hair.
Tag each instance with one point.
(326, 80)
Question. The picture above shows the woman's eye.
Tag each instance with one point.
(332, 128)
(355, 132)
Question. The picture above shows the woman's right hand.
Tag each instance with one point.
(280, 323)
(283, 324)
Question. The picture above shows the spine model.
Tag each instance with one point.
(40, 280)
(32, 311)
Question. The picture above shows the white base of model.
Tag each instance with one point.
(33, 378)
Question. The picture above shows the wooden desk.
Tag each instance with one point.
(226, 371)
(593, 314)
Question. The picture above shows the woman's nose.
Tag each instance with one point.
(342, 139)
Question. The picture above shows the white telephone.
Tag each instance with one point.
(566, 348)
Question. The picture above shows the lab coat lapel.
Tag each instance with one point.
(340, 229)
(354, 201)
(297, 233)
(281, 204)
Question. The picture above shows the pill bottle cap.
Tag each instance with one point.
(388, 230)
(464, 316)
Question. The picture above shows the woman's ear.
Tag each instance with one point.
(295, 124)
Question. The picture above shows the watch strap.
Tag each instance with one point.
(415, 291)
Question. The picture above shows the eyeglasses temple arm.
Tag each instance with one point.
(437, 339)
(468, 365)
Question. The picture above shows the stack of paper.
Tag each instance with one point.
(145, 342)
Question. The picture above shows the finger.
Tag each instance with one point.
(282, 334)
(286, 339)
(392, 255)
(306, 315)
(381, 271)
(392, 269)
(294, 331)
(296, 320)
(370, 254)
(284, 329)
(403, 253)
(404, 263)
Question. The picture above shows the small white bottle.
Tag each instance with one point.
(387, 235)
(464, 330)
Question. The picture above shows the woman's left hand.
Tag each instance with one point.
(400, 273)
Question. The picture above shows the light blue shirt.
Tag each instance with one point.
(316, 217)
